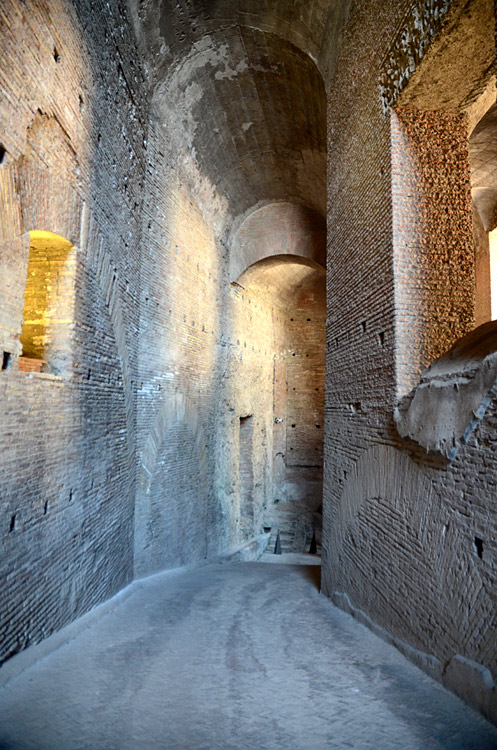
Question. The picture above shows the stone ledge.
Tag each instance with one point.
(468, 679)
(453, 394)
(248, 552)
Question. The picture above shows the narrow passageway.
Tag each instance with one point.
(230, 656)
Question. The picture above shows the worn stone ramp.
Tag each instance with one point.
(245, 656)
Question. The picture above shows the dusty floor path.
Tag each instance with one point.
(245, 656)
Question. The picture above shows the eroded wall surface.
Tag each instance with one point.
(409, 538)
(73, 127)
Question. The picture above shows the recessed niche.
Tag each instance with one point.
(6, 360)
(12, 523)
(56, 55)
(479, 547)
(2, 153)
(381, 338)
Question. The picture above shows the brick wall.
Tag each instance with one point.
(433, 251)
(399, 525)
(72, 124)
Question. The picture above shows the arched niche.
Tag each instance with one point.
(49, 299)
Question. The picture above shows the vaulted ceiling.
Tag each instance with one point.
(240, 90)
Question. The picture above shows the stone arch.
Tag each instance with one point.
(173, 472)
(276, 229)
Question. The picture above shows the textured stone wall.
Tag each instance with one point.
(72, 125)
(157, 445)
(197, 338)
(434, 265)
(299, 401)
(407, 536)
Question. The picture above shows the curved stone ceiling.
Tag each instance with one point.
(278, 229)
(250, 109)
(171, 27)
(285, 280)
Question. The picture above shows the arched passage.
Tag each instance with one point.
(294, 287)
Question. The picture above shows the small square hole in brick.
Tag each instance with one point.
(6, 360)
(479, 547)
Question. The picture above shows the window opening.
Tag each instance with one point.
(48, 304)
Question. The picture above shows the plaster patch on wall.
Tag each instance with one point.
(171, 505)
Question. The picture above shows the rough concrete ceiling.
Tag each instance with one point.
(239, 88)
(171, 27)
(251, 110)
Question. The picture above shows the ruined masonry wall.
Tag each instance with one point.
(409, 540)
(73, 129)
(198, 337)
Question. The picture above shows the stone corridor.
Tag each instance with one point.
(245, 656)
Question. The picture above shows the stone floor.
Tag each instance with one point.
(245, 656)
(291, 558)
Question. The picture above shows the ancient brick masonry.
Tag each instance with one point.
(408, 537)
(168, 175)
(73, 128)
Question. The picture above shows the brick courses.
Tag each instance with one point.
(181, 154)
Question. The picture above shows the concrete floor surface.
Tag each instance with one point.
(291, 558)
(245, 656)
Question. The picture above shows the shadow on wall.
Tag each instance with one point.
(171, 506)
(68, 435)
